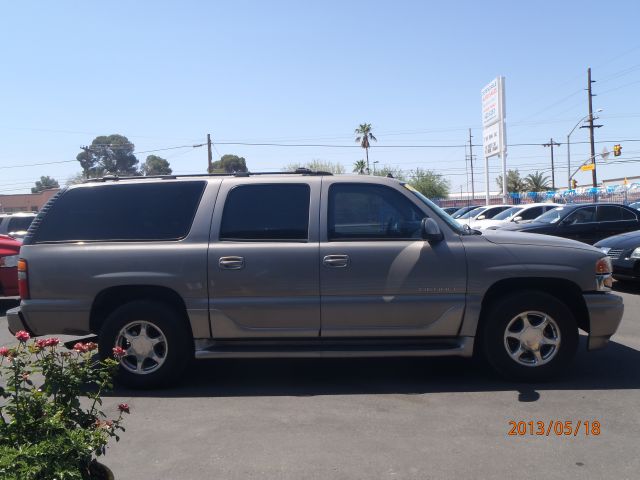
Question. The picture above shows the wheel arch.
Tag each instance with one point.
(113, 297)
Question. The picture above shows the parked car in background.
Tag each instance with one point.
(450, 210)
(481, 213)
(635, 205)
(9, 250)
(16, 224)
(461, 211)
(586, 222)
(624, 252)
(518, 214)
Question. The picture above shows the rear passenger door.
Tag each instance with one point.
(614, 219)
(263, 259)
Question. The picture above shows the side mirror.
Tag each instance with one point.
(431, 231)
(517, 219)
(481, 217)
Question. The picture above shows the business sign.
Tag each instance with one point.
(492, 102)
(492, 140)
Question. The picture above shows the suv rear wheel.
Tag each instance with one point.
(157, 344)
(529, 336)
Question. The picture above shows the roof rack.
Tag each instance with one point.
(116, 178)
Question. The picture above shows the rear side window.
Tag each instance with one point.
(609, 213)
(628, 215)
(531, 213)
(271, 212)
(121, 212)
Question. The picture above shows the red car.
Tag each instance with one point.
(9, 250)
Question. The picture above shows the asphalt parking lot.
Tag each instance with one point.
(382, 418)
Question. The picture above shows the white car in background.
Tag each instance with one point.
(481, 213)
(524, 213)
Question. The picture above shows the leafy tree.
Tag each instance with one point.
(360, 167)
(429, 183)
(155, 165)
(395, 172)
(108, 154)
(363, 137)
(317, 166)
(44, 183)
(514, 182)
(536, 182)
(75, 179)
(229, 164)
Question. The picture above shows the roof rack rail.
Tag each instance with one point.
(116, 178)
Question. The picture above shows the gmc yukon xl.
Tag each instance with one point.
(305, 264)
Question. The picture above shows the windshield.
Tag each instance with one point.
(552, 216)
(472, 213)
(508, 213)
(437, 210)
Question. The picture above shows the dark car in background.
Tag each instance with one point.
(450, 210)
(624, 252)
(585, 222)
(16, 224)
(461, 211)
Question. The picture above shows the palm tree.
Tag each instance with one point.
(364, 135)
(537, 182)
(360, 166)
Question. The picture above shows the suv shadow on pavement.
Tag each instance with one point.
(612, 368)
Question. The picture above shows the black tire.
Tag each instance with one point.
(496, 343)
(163, 324)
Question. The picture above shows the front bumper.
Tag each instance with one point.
(605, 313)
(626, 268)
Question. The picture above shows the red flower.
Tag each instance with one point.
(90, 346)
(123, 407)
(119, 352)
(80, 347)
(4, 352)
(51, 342)
(23, 336)
(40, 344)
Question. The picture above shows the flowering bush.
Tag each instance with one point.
(51, 425)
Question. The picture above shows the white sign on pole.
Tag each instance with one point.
(492, 140)
(491, 103)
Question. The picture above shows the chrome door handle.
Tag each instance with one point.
(231, 263)
(339, 261)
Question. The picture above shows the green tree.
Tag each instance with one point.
(429, 183)
(536, 182)
(229, 164)
(108, 155)
(155, 165)
(359, 167)
(316, 165)
(364, 137)
(387, 170)
(514, 182)
(75, 179)
(45, 183)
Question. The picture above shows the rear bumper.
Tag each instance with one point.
(45, 317)
(15, 321)
(605, 313)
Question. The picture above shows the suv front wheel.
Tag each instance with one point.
(529, 336)
(156, 343)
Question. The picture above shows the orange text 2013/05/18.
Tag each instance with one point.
(564, 428)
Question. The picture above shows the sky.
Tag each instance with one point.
(164, 74)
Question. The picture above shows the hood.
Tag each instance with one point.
(523, 227)
(625, 241)
(503, 237)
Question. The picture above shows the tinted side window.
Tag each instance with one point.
(609, 213)
(492, 212)
(266, 212)
(581, 215)
(127, 212)
(18, 224)
(628, 215)
(531, 213)
(358, 211)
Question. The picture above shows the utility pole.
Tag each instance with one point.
(553, 172)
(473, 191)
(209, 154)
(591, 126)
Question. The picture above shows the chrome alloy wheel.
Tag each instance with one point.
(532, 338)
(145, 346)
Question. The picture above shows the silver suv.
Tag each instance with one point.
(301, 265)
